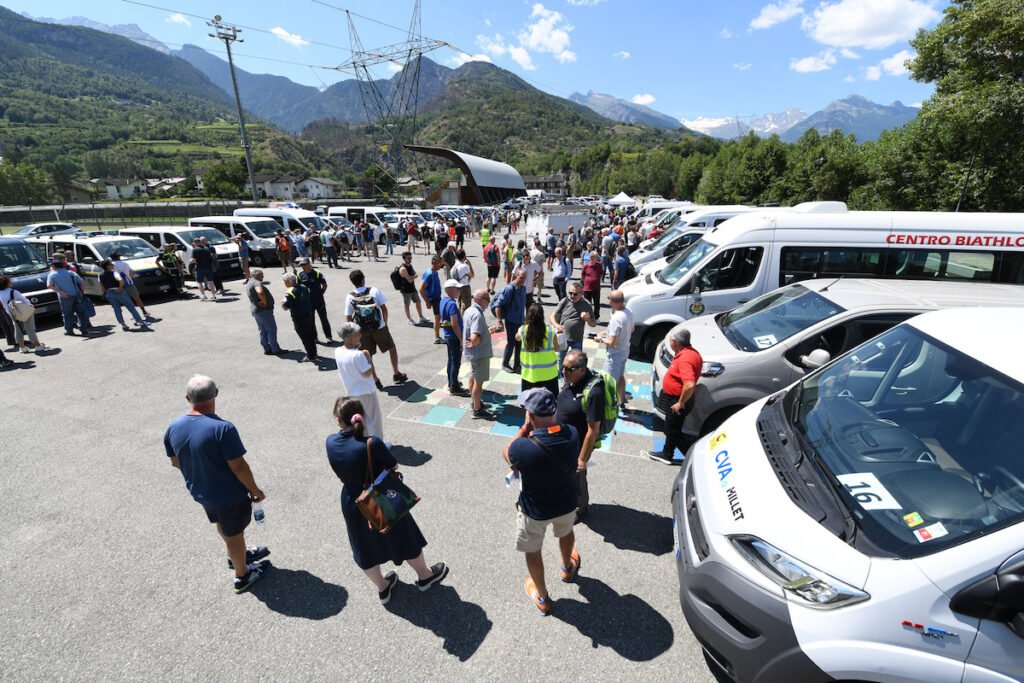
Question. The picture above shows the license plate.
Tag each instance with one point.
(164, 288)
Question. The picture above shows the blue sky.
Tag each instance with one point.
(684, 58)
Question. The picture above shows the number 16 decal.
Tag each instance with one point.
(868, 491)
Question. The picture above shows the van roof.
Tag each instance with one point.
(79, 237)
(987, 334)
(867, 293)
(274, 211)
(164, 228)
(229, 219)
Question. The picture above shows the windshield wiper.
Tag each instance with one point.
(850, 524)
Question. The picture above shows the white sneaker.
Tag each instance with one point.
(42, 347)
(24, 349)
(410, 321)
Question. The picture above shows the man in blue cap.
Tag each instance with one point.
(543, 456)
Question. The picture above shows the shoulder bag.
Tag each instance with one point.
(20, 311)
(386, 500)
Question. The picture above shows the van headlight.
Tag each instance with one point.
(800, 582)
(712, 370)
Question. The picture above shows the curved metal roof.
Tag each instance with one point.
(481, 174)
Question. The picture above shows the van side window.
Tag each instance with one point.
(842, 337)
(719, 221)
(924, 264)
(151, 237)
(732, 269)
(224, 228)
(82, 251)
(279, 219)
(806, 263)
(1011, 268)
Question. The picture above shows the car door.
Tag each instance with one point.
(729, 279)
(998, 647)
(89, 268)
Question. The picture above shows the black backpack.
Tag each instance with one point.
(366, 313)
(630, 270)
(396, 278)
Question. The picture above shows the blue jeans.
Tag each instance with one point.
(69, 308)
(512, 346)
(268, 330)
(454, 360)
(332, 257)
(564, 349)
(117, 300)
(389, 246)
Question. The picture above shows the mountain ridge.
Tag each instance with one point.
(618, 109)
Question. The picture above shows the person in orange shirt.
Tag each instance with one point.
(676, 397)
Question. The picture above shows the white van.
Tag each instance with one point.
(671, 242)
(759, 251)
(286, 218)
(380, 217)
(763, 345)
(228, 262)
(257, 232)
(651, 208)
(867, 523)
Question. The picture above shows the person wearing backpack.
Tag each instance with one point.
(616, 337)
(492, 257)
(283, 246)
(676, 397)
(582, 404)
(367, 307)
(404, 280)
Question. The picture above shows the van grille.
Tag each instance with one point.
(768, 430)
(693, 523)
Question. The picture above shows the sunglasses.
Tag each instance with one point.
(570, 368)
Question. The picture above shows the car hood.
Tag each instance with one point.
(707, 337)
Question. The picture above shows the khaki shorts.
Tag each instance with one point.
(530, 532)
(480, 369)
(377, 339)
(465, 297)
(410, 297)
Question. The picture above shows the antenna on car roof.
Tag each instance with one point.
(825, 288)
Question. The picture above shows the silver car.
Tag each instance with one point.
(775, 339)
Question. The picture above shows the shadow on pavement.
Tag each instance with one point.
(461, 625)
(402, 391)
(17, 365)
(629, 529)
(625, 623)
(410, 457)
(297, 593)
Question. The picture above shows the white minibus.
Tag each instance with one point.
(759, 251)
(257, 232)
(289, 219)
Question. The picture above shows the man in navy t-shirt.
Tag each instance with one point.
(209, 453)
(430, 289)
(544, 456)
(451, 323)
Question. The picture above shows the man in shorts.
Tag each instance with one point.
(492, 258)
(616, 338)
(408, 289)
(128, 275)
(204, 259)
(543, 455)
(209, 453)
(378, 337)
(476, 337)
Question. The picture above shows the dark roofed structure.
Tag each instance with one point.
(486, 181)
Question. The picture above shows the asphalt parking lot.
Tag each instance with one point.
(111, 571)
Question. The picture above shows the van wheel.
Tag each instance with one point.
(654, 336)
(716, 420)
(258, 260)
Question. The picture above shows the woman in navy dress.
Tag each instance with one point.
(346, 452)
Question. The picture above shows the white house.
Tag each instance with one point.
(320, 188)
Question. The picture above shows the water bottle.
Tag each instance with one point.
(257, 514)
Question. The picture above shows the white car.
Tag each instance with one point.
(867, 522)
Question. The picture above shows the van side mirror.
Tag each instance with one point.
(815, 359)
(996, 597)
(88, 259)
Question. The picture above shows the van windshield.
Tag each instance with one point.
(687, 260)
(267, 228)
(18, 258)
(129, 248)
(775, 317)
(920, 441)
(311, 222)
(212, 236)
(663, 239)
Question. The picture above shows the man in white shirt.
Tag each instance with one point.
(367, 299)
(355, 366)
(616, 338)
(463, 272)
(533, 270)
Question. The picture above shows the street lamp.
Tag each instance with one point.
(506, 151)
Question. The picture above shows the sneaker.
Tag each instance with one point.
(623, 408)
(458, 391)
(41, 347)
(126, 328)
(659, 456)
(268, 352)
(380, 387)
(253, 554)
(543, 604)
(424, 321)
(148, 316)
(484, 414)
(221, 292)
(438, 340)
(6, 363)
(385, 595)
(411, 321)
(255, 573)
(574, 566)
(400, 377)
(24, 349)
(143, 323)
(437, 573)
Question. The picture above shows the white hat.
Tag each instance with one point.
(452, 283)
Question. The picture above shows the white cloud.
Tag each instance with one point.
(894, 66)
(776, 13)
(725, 34)
(871, 24)
(848, 53)
(521, 57)
(621, 54)
(823, 61)
(916, 105)
(849, 79)
(872, 73)
(290, 38)
(487, 22)
(643, 99)
(742, 66)
(461, 58)
(178, 18)
(395, 67)
(492, 45)
(550, 33)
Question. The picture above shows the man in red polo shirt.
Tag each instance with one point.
(676, 395)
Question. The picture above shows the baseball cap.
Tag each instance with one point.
(302, 261)
(538, 400)
(451, 283)
(55, 262)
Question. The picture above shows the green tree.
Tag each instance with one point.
(225, 179)
(21, 184)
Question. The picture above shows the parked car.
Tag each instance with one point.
(27, 268)
(867, 522)
(228, 262)
(37, 229)
(90, 249)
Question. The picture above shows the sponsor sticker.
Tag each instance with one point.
(868, 491)
(765, 341)
(913, 519)
(929, 532)
(718, 439)
(696, 308)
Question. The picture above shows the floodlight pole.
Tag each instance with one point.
(229, 34)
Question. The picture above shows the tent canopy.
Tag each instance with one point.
(621, 199)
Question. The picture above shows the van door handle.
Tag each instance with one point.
(742, 301)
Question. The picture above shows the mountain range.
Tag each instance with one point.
(621, 110)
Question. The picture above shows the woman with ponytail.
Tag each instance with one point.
(347, 455)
